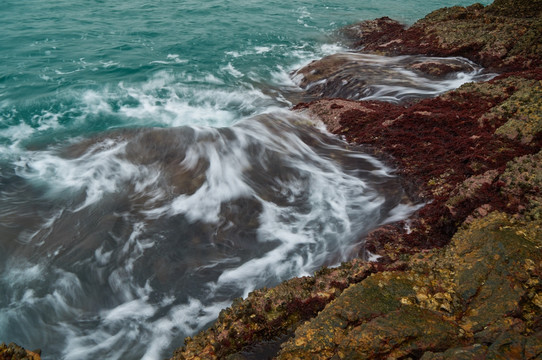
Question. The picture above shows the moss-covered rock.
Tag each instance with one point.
(15, 352)
(268, 314)
(504, 35)
(522, 111)
(482, 288)
(515, 8)
(523, 179)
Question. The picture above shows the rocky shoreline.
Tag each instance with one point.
(462, 278)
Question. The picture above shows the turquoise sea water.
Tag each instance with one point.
(150, 171)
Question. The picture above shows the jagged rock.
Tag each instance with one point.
(268, 314)
(488, 276)
(15, 352)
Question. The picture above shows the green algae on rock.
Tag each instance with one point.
(488, 279)
(490, 36)
(16, 352)
(523, 178)
(523, 113)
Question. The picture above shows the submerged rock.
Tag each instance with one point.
(364, 76)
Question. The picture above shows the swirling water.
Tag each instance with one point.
(150, 171)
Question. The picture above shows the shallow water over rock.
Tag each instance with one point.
(357, 76)
(150, 232)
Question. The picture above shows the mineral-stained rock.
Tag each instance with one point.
(15, 352)
(448, 299)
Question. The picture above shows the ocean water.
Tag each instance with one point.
(151, 172)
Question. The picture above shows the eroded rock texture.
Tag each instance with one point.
(15, 352)
(481, 293)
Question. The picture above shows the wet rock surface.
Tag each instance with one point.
(462, 278)
(357, 76)
(15, 352)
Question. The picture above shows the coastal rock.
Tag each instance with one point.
(523, 113)
(15, 352)
(514, 8)
(480, 290)
(268, 314)
(523, 179)
(491, 36)
(357, 76)
(451, 139)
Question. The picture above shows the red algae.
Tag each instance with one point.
(438, 143)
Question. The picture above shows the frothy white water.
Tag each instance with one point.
(165, 99)
(147, 234)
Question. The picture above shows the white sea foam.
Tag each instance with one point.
(165, 99)
(231, 70)
(424, 86)
(309, 212)
(22, 274)
(224, 182)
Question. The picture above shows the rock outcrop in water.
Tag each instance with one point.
(15, 352)
(462, 279)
